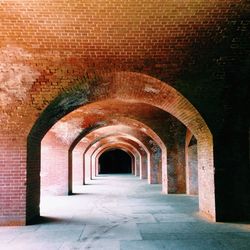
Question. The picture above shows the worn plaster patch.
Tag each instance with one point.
(16, 78)
(85, 140)
(150, 89)
(101, 124)
(97, 111)
(97, 135)
(67, 131)
(12, 54)
(136, 125)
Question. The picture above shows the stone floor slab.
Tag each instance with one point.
(100, 244)
(122, 212)
(112, 231)
(180, 217)
(172, 245)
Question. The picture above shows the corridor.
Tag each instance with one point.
(119, 211)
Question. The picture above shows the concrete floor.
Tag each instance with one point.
(122, 212)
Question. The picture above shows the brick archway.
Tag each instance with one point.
(201, 48)
(120, 144)
(77, 157)
(113, 138)
(141, 169)
(134, 124)
(157, 161)
(133, 88)
(140, 146)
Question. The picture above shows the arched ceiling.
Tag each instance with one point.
(113, 108)
(114, 111)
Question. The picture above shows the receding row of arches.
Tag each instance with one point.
(132, 119)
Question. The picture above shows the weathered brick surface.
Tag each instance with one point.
(199, 47)
(121, 86)
(151, 32)
(191, 164)
(12, 181)
(54, 165)
(104, 120)
(91, 158)
(78, 175)
(141, 140)
(80, 160)
(125, 145)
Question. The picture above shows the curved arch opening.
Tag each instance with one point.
(125, 142)
(127, 127)
(115, 161)
(126, 146)
(152, 92)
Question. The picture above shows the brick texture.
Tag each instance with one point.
(183, 52)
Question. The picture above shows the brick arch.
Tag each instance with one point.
(75, 148)
(131, 123)
(141, 169)
(128, 86)
(81, 176)
(139, 145)
(60, 163)
(154, 171)
(134, 88)
(107, 121)
(120, 144)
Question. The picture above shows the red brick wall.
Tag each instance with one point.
(94, 149)
(148, 32)
(12, 181)
(150, 144)
(54, 165)
(173, 105)
(191, 164)
(44, 45)
(77, 158)
(193, 170)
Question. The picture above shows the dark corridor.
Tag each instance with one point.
(115, 161)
